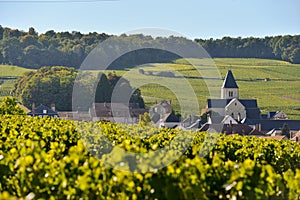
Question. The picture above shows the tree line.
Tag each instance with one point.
(32, 50)
(285, 48)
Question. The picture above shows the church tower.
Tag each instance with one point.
(229, 90)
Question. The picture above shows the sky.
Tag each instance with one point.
(190, 18)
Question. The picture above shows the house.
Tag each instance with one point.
(117, 112)
(233, 128)
(162, 115)
(113, 112)
(279, 115)
(266, 125)
(43, 111)
(296, 137)
(240, 113)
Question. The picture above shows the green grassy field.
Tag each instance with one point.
(281, 92)
(11, 71)
(8, 74)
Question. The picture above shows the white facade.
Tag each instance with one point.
(235, 109)
(229, 93)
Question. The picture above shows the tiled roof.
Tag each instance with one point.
(229, 81)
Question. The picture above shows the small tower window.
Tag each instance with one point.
(230, 93)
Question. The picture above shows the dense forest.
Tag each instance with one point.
(32, 50)
(285, 48)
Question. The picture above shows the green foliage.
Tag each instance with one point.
(44, 158)
(144, 119)
(120, 86)
(285, 130)
(33, 50)
(278, 47)
(55, 85)
(279, 93)
(46, 86)
(9, 106)
(11, 71)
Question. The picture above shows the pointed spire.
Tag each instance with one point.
(229, 81)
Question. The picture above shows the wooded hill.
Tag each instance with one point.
(32, 50)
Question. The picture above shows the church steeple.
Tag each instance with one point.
(229, 89)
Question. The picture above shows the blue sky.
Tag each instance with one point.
(191, 18)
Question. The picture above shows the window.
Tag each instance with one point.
(230, 93)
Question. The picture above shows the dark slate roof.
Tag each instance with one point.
(271, 114)
(241, 129)
(222, 103)
(217, 103)
(172, 118)
(249, 103)
(229, 81)
(253, 113)
(267, 125)
(40, 111)
(264, 116)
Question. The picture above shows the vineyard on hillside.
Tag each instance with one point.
(50, 158)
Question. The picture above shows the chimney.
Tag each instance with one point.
(239, 117)
(53, 106)
(33, 109)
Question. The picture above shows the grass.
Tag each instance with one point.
(11, 71)
(8, 74)
(282, 92)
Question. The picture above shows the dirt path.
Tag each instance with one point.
(290, 99)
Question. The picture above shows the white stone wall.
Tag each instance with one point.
(225, 93)
(235, 109)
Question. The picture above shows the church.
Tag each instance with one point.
(231, 105)
(230, 114)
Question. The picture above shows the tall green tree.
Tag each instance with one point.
(285, 130)
(121, 89)
(104, 89)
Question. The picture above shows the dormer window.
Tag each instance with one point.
(44, 111)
